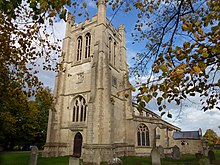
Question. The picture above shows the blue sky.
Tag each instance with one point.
(188, 117)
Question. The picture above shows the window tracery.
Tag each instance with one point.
(143, 135)
(79, 110)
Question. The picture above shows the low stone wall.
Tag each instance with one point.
(143, 151)
(105, 153)
(123, 150)
(55, 149)
(189, 146)
(168, 151)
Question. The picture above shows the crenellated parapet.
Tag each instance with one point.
(83, 25)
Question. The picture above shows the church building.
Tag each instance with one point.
(90, 119)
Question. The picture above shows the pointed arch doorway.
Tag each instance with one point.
(77, 146)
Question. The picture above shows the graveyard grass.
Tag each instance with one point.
(22, 158)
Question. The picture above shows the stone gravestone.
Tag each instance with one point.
(73, 160)
(155, 157)
(176, 152)
(205, 152)
(161, 151)
(211, 156)
(34, 155)
(204, 161)
(115, 161)
(198, 156)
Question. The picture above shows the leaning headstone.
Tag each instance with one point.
(204, 161)
(34, 155)
(73, 161)
(161, 151)
(211, 156)
(176, 152)
(155, 157)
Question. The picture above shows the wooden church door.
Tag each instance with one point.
(77, 148)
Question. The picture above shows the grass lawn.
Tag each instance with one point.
(132, 160)
(22, 158)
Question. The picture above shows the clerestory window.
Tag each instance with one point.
(143, 135)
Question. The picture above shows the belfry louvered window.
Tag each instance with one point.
(79, 110)
(143, 135)
(88, 45)
(79, 48)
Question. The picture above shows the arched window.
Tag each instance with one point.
(110, 49)
(79, 110)
(157, 133)
(115, 49)
(79, 48)
(143, 135)
(88, 43)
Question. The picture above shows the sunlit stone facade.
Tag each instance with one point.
(90, 119)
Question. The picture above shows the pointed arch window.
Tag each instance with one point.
(114, 53)
(88, 45)
(110, 49)
(157, 133)
(143, 135)
(79, 110)
(79, 48)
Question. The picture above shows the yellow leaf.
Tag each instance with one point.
(186, 45)
(196, 36)
(196, 69)
(133, 88)
(180, 72)
(180, 56)
(204, 53)
(185, 27)
(169, 64)
(200, 31)
(164, 68)
(202, 65)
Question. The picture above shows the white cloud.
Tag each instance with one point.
(130, 54)
(91, 4)
(194, 119)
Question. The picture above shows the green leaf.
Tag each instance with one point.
(147, 98)
(155, 94)
(159, 100)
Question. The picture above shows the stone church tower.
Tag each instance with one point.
(90, 118)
